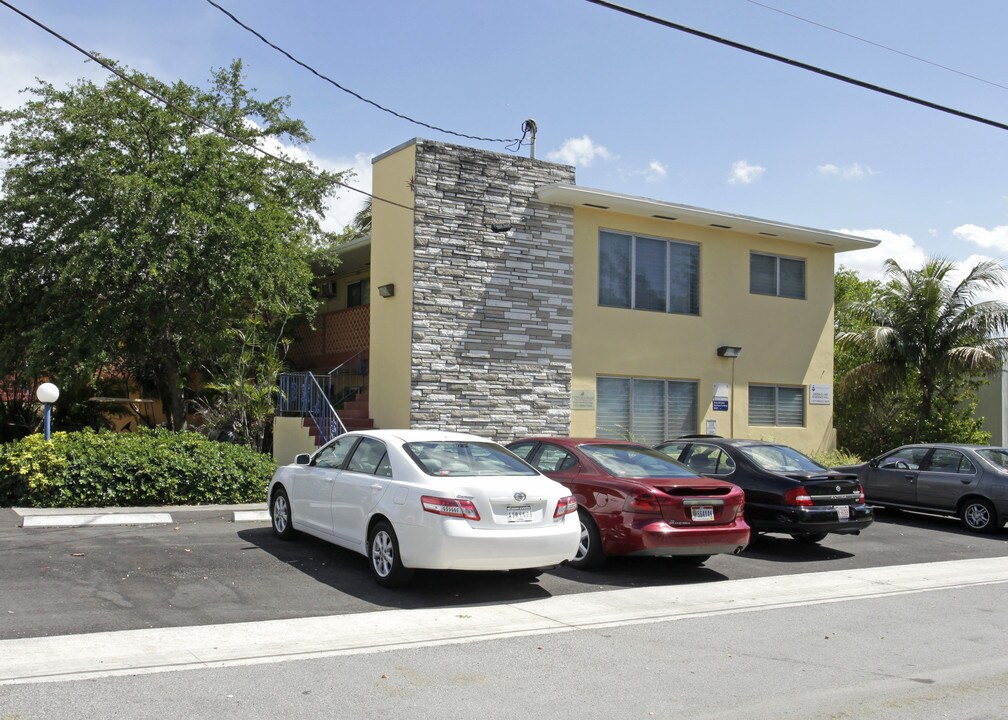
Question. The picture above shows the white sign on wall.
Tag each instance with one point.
(720, 402)
(711, 427)
(820, 394)
(582, 399)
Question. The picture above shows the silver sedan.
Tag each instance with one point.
(968, 481)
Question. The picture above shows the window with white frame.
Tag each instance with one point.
(645, 410)
(778, 405)
(647, 273)
(776, 275)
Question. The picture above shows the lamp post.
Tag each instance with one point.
(731, 351)
(47, 394)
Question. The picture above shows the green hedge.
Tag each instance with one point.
(148, 467)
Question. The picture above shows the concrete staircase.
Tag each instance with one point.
(354, 415)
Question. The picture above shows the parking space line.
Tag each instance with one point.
(72, 657)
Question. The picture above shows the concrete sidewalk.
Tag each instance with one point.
(81, 517)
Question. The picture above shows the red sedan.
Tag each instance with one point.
(633, 500)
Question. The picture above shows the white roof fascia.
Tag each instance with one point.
(573, 196)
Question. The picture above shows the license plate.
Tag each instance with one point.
(842, 512)
(519, 514)
(702, 512)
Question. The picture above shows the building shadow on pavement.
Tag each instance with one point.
(785, 549)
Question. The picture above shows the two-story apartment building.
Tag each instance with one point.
(506, 300)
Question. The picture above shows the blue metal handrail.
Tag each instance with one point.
(349, 378)
(307, 394)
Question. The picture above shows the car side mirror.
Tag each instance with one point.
(873, 463)
(302, 459)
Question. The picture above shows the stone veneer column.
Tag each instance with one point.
(492, 311)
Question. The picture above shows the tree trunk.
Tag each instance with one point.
(170, 390)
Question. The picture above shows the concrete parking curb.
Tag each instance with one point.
(88, 519)
(84, 517)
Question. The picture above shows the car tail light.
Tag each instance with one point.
(450, 506)
(644, 502)
(860, 494)
(741, 507)
(565, 506)
(798, 496)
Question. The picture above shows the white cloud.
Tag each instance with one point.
(744, 173)
(579, 151)
(347, 203)
(855, 171)
(656, 171)
(996, 237)
(869, 263)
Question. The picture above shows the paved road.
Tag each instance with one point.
(894, 643)
(205, 569)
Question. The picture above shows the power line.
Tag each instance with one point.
(360, 97)
(878, 45)
(797, 63)
(167, 103)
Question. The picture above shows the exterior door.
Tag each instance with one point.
(947, 475)
(314, 487)
(359, 488)
(894, 479)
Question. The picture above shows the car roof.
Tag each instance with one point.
(575, 441)
(419, 435)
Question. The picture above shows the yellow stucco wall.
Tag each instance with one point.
(784, 341)
(392, 262)
(290, 437)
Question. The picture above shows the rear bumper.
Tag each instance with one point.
(815, 519)
(658, 538)
(453, 544)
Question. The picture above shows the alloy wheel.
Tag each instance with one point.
(280, 513)
(382, 553)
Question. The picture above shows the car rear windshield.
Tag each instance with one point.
(996, 456)
(466, 459)
(636, 462)
(780, 458)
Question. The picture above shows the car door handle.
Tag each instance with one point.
(909, 477)
(377, 486)
(965, 481)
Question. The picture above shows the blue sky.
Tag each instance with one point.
(638, 108)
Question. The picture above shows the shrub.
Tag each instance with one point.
(147, 467)
(835, 458)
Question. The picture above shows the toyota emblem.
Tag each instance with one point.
(520, 497)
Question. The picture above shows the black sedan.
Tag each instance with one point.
(785, 491)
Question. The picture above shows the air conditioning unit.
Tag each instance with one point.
(328, 289)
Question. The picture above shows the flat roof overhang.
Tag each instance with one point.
(573, 196)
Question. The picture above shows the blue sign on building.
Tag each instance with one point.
(721, 404)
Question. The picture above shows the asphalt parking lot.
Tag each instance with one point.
(206, 569)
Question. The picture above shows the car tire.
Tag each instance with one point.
(280, 515)
(692, 560)
(809, 538)
(589, 553)
(383, 557)
(979, 515)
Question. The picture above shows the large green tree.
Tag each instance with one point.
(133, 236)
(916, 348)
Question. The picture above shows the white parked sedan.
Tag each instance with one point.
(410, 499)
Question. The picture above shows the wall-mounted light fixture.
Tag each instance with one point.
(729, 351)
(386, 290)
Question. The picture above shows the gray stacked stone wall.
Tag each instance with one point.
(492, 308)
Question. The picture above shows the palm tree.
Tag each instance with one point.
(922, 330)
